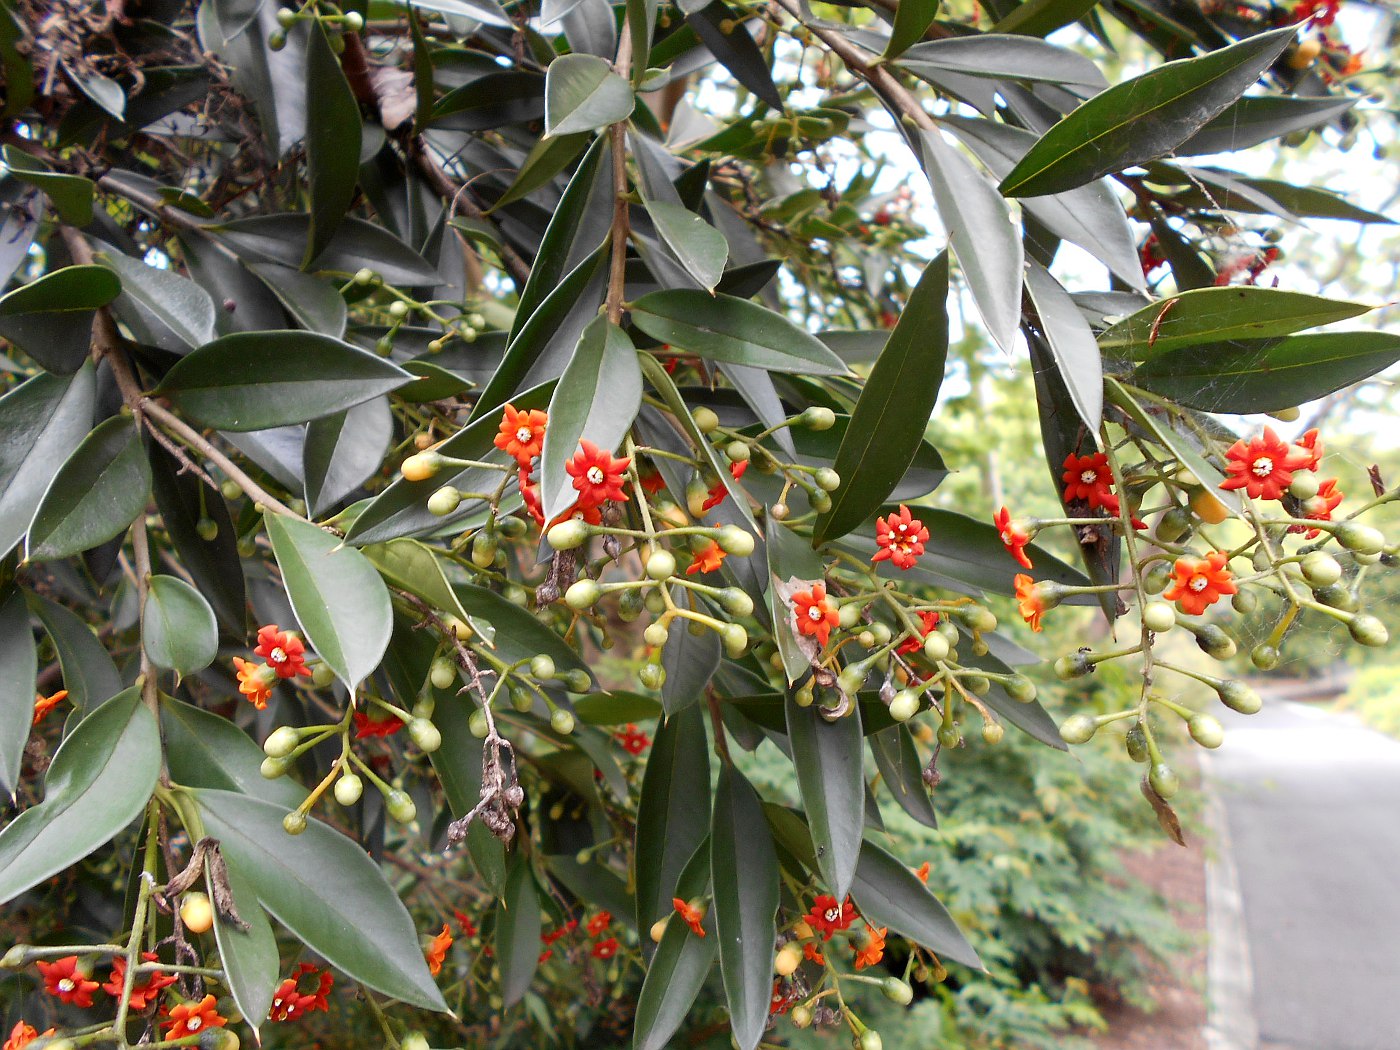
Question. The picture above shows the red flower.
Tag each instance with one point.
(591, 515)
(928, 621)
(597, 476)
(283, 652)
(815, 615)
(366, 727)
(63, 979)
(522, 434)
(1319, 507)
(922, 872)
(1199, 582)
(1263, 466)
(605, 949)
(1088, 478)
(900, 537)
(255, 681)
(717, 494)
(633, 740)
(21, 1035)
(1310, 442)
(782, 1000)
(437, 950)
(1150, 255)
(708, 559)
(599, 923)
(531, 496)
(192, 1018)
(827, 917)
(653, 482)
(44, 704)
(1322, 12)
(142, 993)
(813, 954)
(873, 948)
(1028, 602)
(1014, 536)
(290, 1003)
(465, 922)
(693, 916)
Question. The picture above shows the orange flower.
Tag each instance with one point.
(922, 872)
(605, 949)
(900, 537)
(827, 917)
(290, 1003)
(193, 1018)
(815, 615)
(1088, 478)
(283, 652)
(1311, 443)
(44, 704)
(437, 951)
(1199, 582)
(1263, 466)
(599, 923)
(692, 915)
(872, 950)
(1028, 601)
(366, 727)
(653, 482)
(812, 953)
(1014, 535)
(63, 979)
(21, 1035)
(597, 475)
(928, 621)
(591, 515)
(144, 993)
(1320, 507)
(522, 434)
(708, 559)
(716, 495)
(633, 740)
(531, 496)
(255, 681)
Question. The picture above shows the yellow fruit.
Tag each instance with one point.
(1305, 53)
(196, 912)
(1208, 508)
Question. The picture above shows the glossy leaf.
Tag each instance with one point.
(99, 782)
(519, 633)
(282, 239)
(897, 758)
(177, 302)
(1208, 316)
(596, 399)
(744, 870)
(259, 380)
(887, 425)
(178, 630)
(679, 966)
(316, 305)
(19, 666)
(1143, 118)
(332, 141)
(981, 232)
(1043, 17)
(546, 160)
(344, 450)
(1072, 343)
(673, 812)
(518, 931)
(724, 328)
(94, 496)
(911, 21)
(1267, 375)
(735, 49)
(249, 957)
(323, 888)
(690, 661)
(582, 93)
(206, 750)
(419, 569)
(338, 597)
(701, 248)
(71, 195)
(616, 708)
(1259, 118)
(1004, 56)
(89, 674)
(828, 758)
(50, 318)
(889, 894)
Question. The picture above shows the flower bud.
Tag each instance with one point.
(801, 1016)
(17, 958)
(820, 501)
(848, 615)
(196, 912)
(1155, 580)
(364, 277)
(577, 681)
(1019, 688)
(1239, 697)
(484, 547)
(400, 807)
(444, 501)
(1213, 641)
(1320, 568)
(294, 823)
(818, 417)
(827, 480)
(979, 617)
(354, 21)
(207, 529)
(567, 534)
(421, 466)
(949, 735)
(1158, 617)
(936, 647)
(705, 420)
(561, 721)
(582, 594)
(477, 724)
(276, 40)
(905, 705)
(1367, 630)
(658, 930)
(414, 1041)
(736, 601)
(272, 768)
(852, 677)
(1174, 524)
(521, 700)
(1078, 729)
(696, 493)
(443, 673)
(896, 991)
(1206, 731)
(1208, 507)
(992, 732)
(736, 541)
(542, 667)
(348, 789)
(1136, 742)
(653, 676)
(788, 959)
(738, 451)
(1304, 485)
(1072, 665)
(656, 635)
(281, 742)
(1163, 779)
(425, 735)
(1336, 595)
(1244, 601)
(630, 605)
(779, 511)
(870, 1040)
(804, 696)
(1264, 656)
(661, 565)
(736, 640)
(1360, 539)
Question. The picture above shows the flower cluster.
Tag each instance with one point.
(290, 1003)
(285, 657)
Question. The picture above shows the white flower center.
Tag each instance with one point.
(596, 475)
(523, 435)
(1088, 477)
(66, 985)
(833, 914)
(1198, 583)
(278, 655)
(814, 614)
(194, 1024)
(1262, 467)
(903, 528)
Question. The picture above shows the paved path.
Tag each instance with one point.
(1311, 806)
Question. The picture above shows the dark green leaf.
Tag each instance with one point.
(673, 812)
(1072, 343)
(324, 889)
(582, 93)
(1143, 118)
(744, 870)
(355, 243)
(344, 450)
(547, 159)
(338, 597)
(788, 558)
(724, 328)
(596, 883)
(828, 759)
(1210, 316)
(982, 233)
(889, 894)
(1005, 58)
(897, 758)
(89, 674)
(314, 303)
(50, 318)
(71, 194)
(419, 569)
(177, 302)
(911, 21)
(888, 423)
(596, 399)
(249, 957)
(177, 626)
(19, 666)
(735, 49)
(204, 750)
(678, 968)
(616, 708)
(690, 661)
(699, 247)
(1043, 17)
(1267, 375)
(519, 633)
(1259, 118)
(487, 11)
(14, 64)
(332, 141)
(94, 496)
(100, 780)
(518, 931)
(260, 380)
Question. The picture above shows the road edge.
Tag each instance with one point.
(1230, 1021)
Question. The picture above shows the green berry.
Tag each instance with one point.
(736, 601)
(656, 635)
(992, 732)
(484, 547)
(1019, 688)
(207, 529)
(1073, 665)
(348, 789)
(905, 705)
(542, 667)
(561, 721)
(1163, 779)
(414, 1041)
(653, 676)
(936, 647)
(277, 40)
(444, 501)
(425, 735)
(364, 277)
(820, 501)
(738, 451)
(949, 735)
(443, 673)
(818, 418)
(801, 1016)
(398, 309)
(1239, 697)
(477, 724)
(1206, 731)
(272, 768)
(736, 541)
(870, 1040)
(1158, 617)
(1078, 729)
(736, 640)
(1304, 485)
(354, 21)
(1244, 601)
(322, 675)
(1174, 524)
(286, 17)
(1367, 630)
(281, 742)
(1157, 578)
(705, 420)
(1264, 656)
(400, 807)
(583, 594)
(577, 681)
(827, 480)
(661, 565)
(896, 991)
(1320, 569)
(1136, 742)
(294, 823)
(567, 534)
